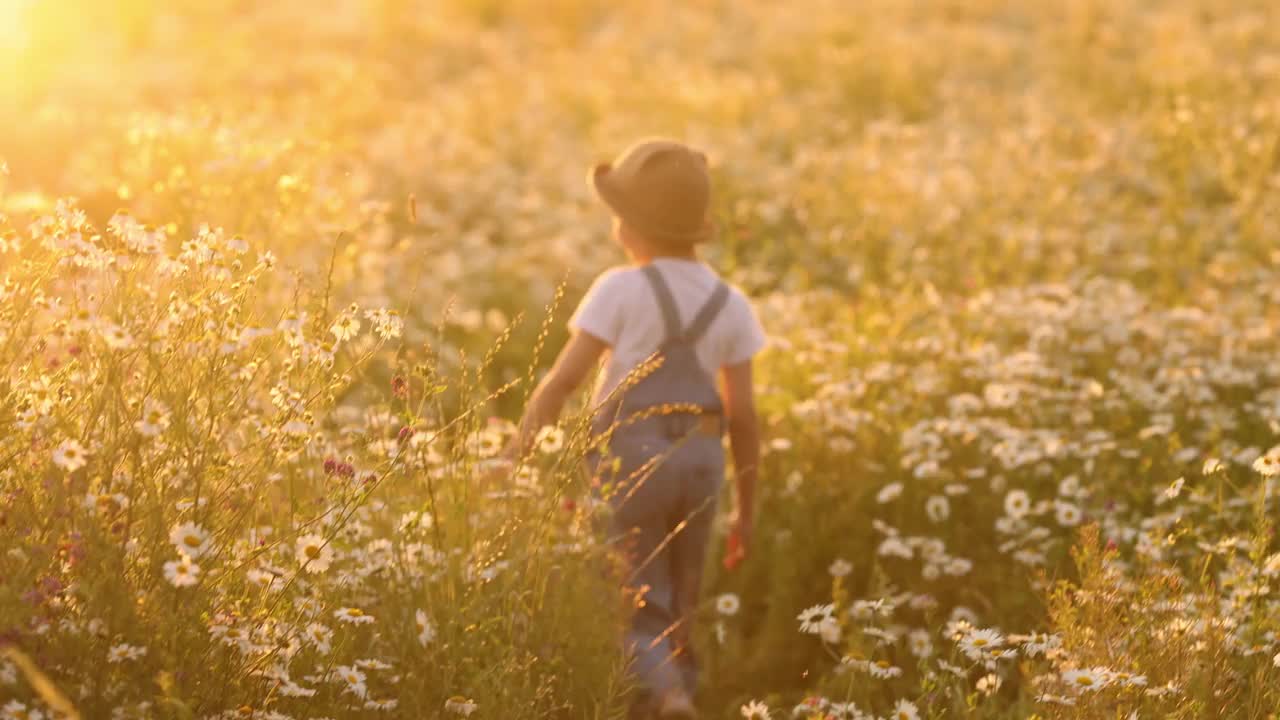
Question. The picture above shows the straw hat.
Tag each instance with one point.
(661, 188)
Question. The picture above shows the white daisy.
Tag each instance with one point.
(190, 539)
(883, 669)
(904, 710)
(812, 619)
(840, 568)
(353, 678)
(14, 710)
(155, 418)
(1017, 504)
(938, 508)
(920, 643)
(313, 553)
(320, 637)
(728, 604)
(460, 705)
(889, 493)
(755, 710)
(345, 327)
(426, 632)
(550, 439)
(1068, 515)
(979, 643)
(70, 456)
(1086, 680)
(353, 615)
(182, 572)
(1268, 465)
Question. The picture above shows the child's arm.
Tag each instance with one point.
(744, 439)
(579, 356)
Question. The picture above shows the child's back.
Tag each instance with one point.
(663, 472)
(623, 309)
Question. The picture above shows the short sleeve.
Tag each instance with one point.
(748, 336)
(600, 312)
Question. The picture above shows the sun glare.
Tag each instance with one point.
(13, 14)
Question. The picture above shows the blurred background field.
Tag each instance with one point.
(1001, 248)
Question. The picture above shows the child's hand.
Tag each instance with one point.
(738, 542)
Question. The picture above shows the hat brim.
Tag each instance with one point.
(618, 203)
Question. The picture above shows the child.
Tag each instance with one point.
(666, 468)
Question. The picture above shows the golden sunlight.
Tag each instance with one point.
(13, 24)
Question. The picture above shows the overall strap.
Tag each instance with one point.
(707, 313)
(670, 316)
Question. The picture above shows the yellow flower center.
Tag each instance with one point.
(191, 541)
(312, 552)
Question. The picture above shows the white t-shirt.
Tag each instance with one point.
(621, 309)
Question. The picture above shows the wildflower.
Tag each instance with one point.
(904, 710)
(182, 572)
(812, 619)
(14, 710)
(895, 547)
(460, 705)
(116, 337)
(550, 439)
(385, 704)
(353, 616)
(190, 539)
(313, 553)
(920, 643)
(1172, 492)
(978, 643)
(123, 651)
(938, 508)
(1039, 643)
(1085, 680)
(345, 327)
(989, 684)
(1211, 466)
(883, 669)
(1067, 514)
(1129, 679)
(70, 456)
(1268, 465)
(354, 679)
(155, 418)
(292, 689)
(728, 604)
(1017, 504)
(319, 636)
(840, 568)
(755, 710)
(426, 632)
(889, 493)
(386, 323)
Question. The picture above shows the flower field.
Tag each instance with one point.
(276, 282)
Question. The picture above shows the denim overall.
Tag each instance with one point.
(665, 472)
